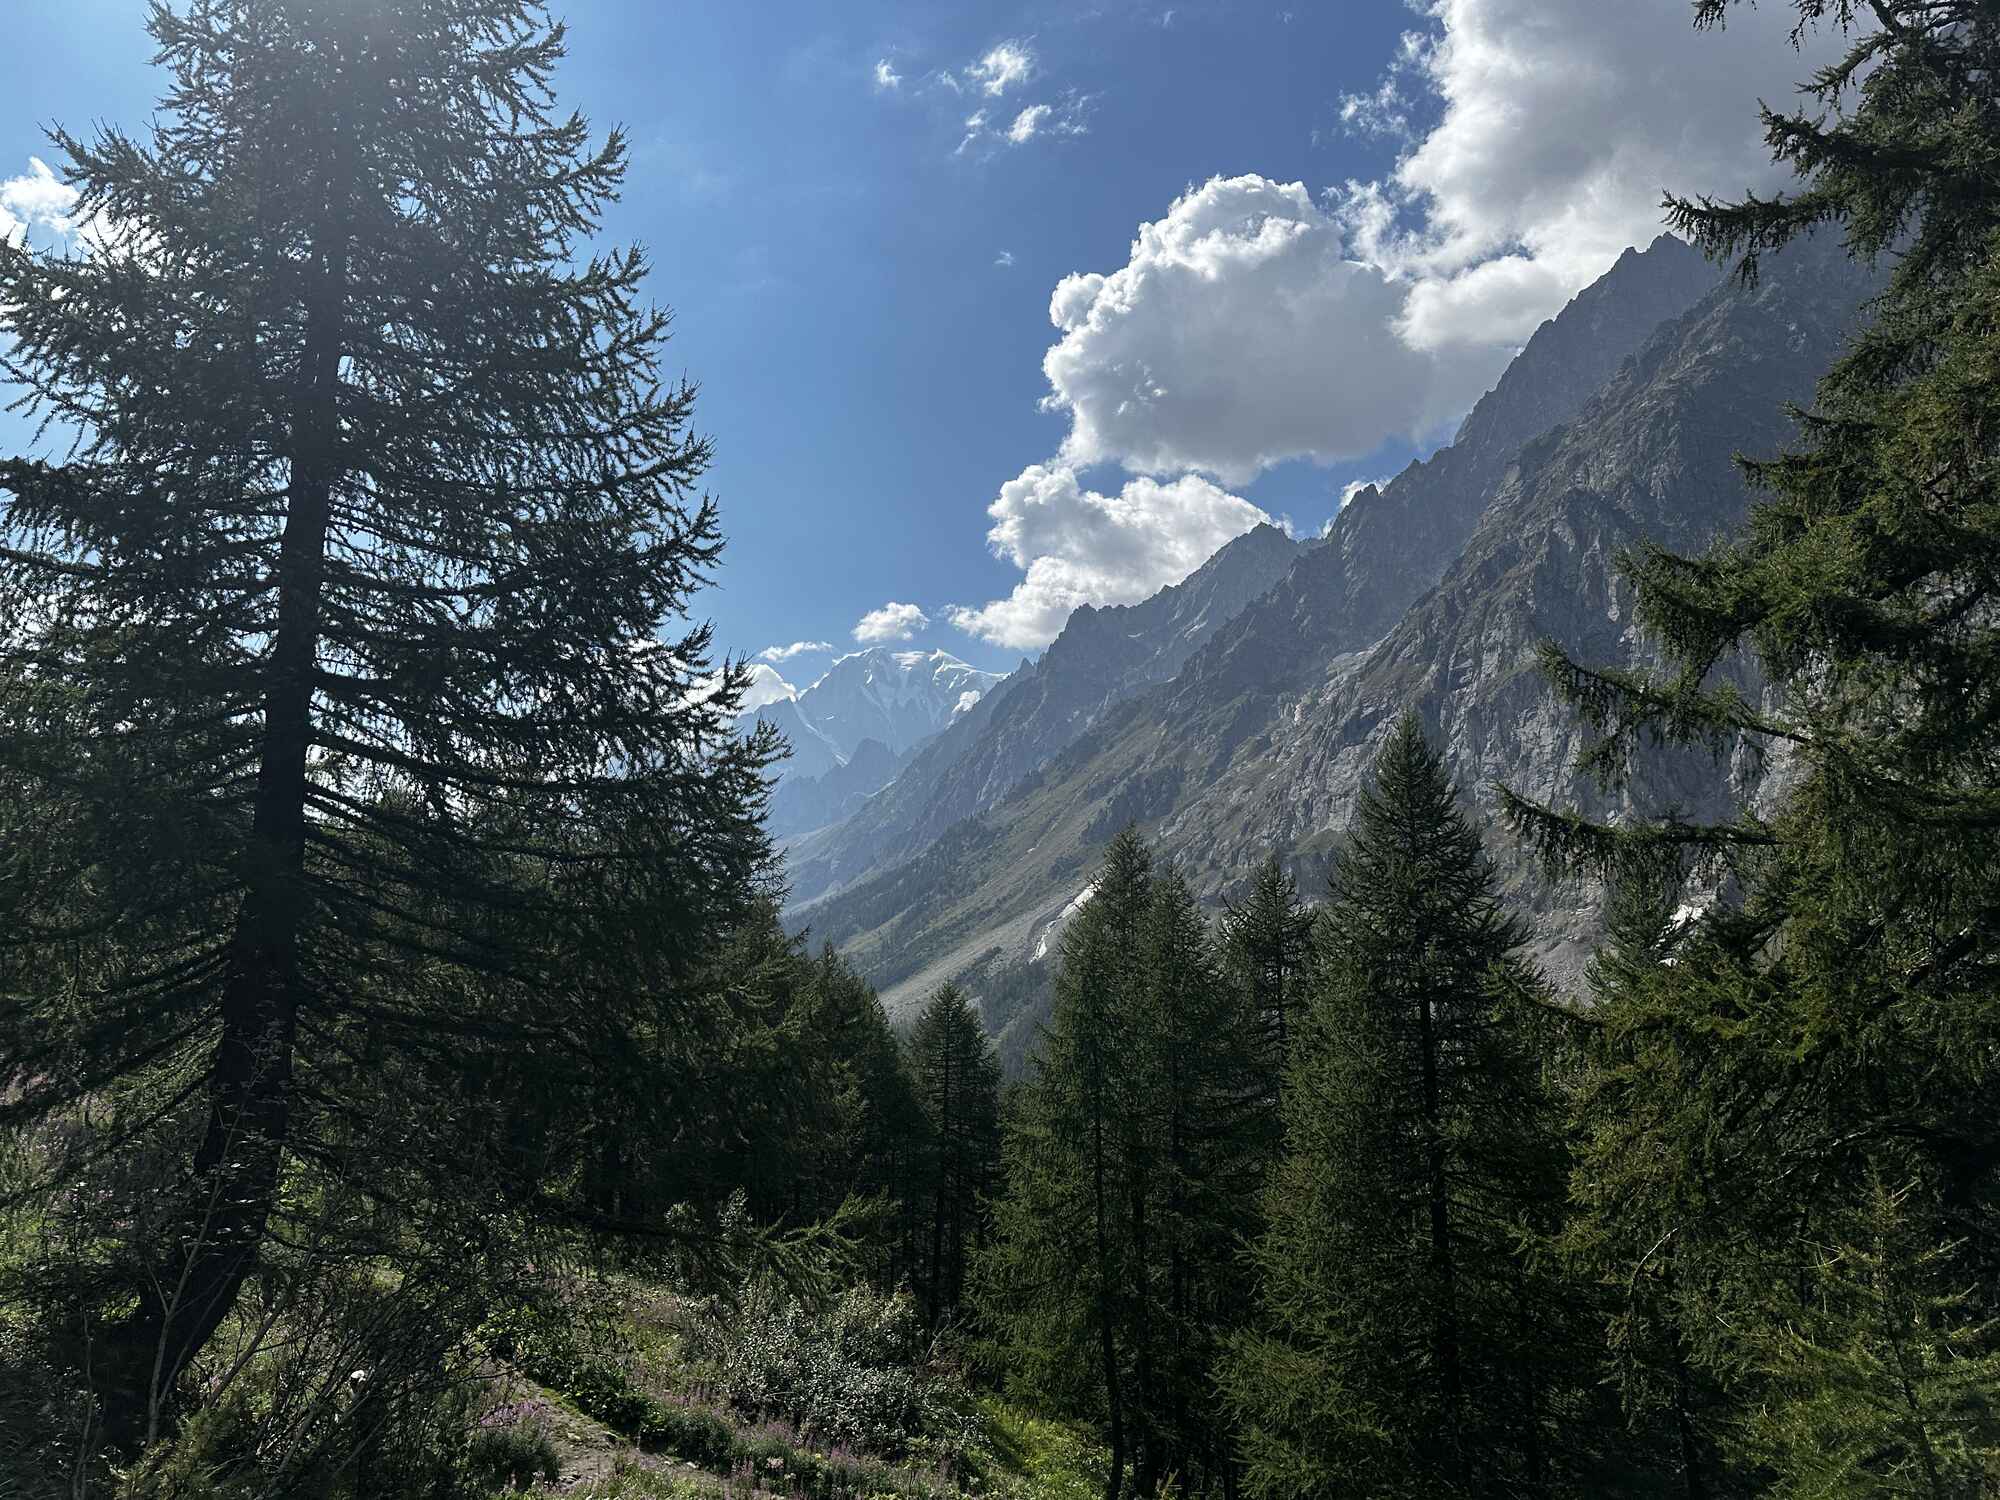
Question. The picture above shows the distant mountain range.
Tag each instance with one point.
(1239, 712)
(852, 729)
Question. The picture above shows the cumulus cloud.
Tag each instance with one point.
(1385, 110)
(1241, 332)
(886, 76)
(796, 648)
(37, 199)
(1562, 121)
(892, 622)
(1256, 322)
(1006, 66)
(1076, 546)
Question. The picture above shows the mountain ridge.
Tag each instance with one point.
(1251, 747)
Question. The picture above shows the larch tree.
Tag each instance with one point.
(334, 660)
(1058, 1284)
(1266, 955)
(1402, 1343)
(957, 1076)
(1828, 1028)
(1196, 1119)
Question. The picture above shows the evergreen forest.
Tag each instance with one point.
(414, 1080)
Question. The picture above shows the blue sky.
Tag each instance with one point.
(863, 283)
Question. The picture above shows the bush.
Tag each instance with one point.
(512, 1446)
(858, 1372)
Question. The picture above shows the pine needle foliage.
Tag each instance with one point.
(1132, 1165)
(1405, 1345)
(1830, 1021)
(1057, 1288)
(1266, 948)
(332, 660)
(957, 1079)
(1881, 1378)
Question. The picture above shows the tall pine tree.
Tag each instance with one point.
(1404, 1344)
(1198, 1131)
(1833, 1022)
(957, 1079)
(337, 665)
(1060, 1282)
(1266, 952)
(1134, 1153)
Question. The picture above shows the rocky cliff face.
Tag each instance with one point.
(1263, 738)
(801, 804)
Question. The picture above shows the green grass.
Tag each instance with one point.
(1038, 1458)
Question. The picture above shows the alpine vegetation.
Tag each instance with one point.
(1496, 996)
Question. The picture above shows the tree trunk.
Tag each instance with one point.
(1445, 1345)
(238, 1165)
(1107, 1346)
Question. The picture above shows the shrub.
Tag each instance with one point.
(857, 1372)
(513, 1446)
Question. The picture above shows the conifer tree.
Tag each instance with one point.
(1134, 1151)
(864, 1137)
(1403, 1346)
(332, 644)
(1266, 945)
(957, 1079)
(1058, 1285)
(1636, 1274)
(1194, 1058)
(1878, 1378)
(1831, 1022)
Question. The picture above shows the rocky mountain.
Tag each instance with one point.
(1263, 737)
(896, 699)
(1102, 658)
(813, 753)
(800, 804)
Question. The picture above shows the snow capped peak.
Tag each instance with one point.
(766, 687)
(896, 697)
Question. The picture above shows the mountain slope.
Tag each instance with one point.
(1264, 737)
(1102, 657)
(1383, 550)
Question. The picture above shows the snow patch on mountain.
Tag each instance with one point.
(1062, 919)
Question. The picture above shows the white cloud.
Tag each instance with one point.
(796, 648)
(1253, 323)
(766, 687)
(892, 622)
(886, 76)
(1075, 546)
(1241, 332)
(37, 199)
(1563, 122)
(1385, 111)
(1034, 122)
(1027, 122)
(1004, 67)
(975, 127)
(1004, 259)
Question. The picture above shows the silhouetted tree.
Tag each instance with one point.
(332, 645)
